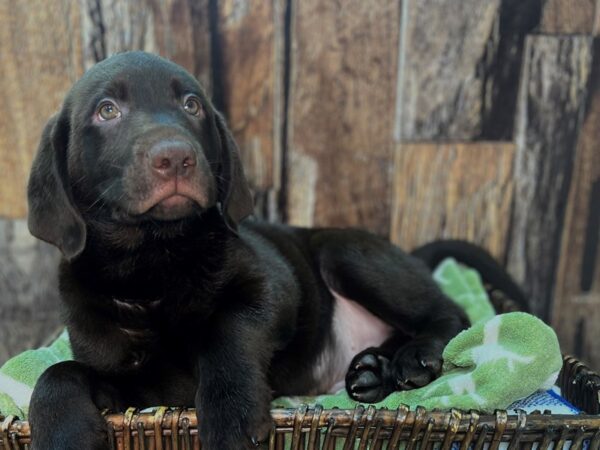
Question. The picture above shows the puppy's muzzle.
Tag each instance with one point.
(172, 159)
(170, 179)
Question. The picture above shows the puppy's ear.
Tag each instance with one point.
(52, 216)
(234, 193)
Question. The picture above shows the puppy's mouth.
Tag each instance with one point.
(165, 201)
(174, 207)
(173, 201)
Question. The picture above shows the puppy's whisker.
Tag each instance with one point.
(220, 178)
(101, 197)
(79, 180)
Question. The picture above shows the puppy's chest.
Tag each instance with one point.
(149, 328)
(138, 323)
(137, 317)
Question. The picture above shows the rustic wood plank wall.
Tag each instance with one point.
(550, 108)
(570, 17)
(414, 119)
(250, 43)
(454, 190)
(38, 64)
(576, 310)
(340, 142)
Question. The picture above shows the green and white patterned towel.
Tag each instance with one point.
(20, 373)
(497, 361)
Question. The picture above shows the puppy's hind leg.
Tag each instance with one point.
(399, 290)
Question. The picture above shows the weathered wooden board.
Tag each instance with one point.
(576, 310)
(440, 90)
(570, 17)
(38, 65)
(176, 29)
(250, 38)
(340, 113)
(461, 191)
(551, 103)
(459, 62)
(29, 301)
(501, 66)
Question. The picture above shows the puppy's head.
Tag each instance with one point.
(137, 141)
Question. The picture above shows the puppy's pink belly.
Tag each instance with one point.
(353, 330)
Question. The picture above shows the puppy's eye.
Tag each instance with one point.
(108, 111)
(192, 105)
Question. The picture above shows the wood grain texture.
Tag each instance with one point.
(250, 46)
(459, 63)
(440, 89)
(461, 190)
(176, 29)
(501, 67)
(551, 103)
(340, 113)
(29, 303)
(39, 64)
(576, 310)
(570, 17)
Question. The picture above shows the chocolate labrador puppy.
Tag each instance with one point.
(171, 299)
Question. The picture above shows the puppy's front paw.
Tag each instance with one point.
(69, 434)
(415, 366)
(369, 379)
(236, 432)
(259, 427)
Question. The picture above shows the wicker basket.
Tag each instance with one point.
(370, 428)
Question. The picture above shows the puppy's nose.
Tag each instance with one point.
(172, 158)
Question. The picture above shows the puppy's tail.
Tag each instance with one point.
(491, 272)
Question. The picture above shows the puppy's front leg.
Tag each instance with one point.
(65, 408)
(233, 397)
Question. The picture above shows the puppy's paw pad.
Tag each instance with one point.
(365, 380)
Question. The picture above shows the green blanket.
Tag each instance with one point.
(20, 373)
(495, 362)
